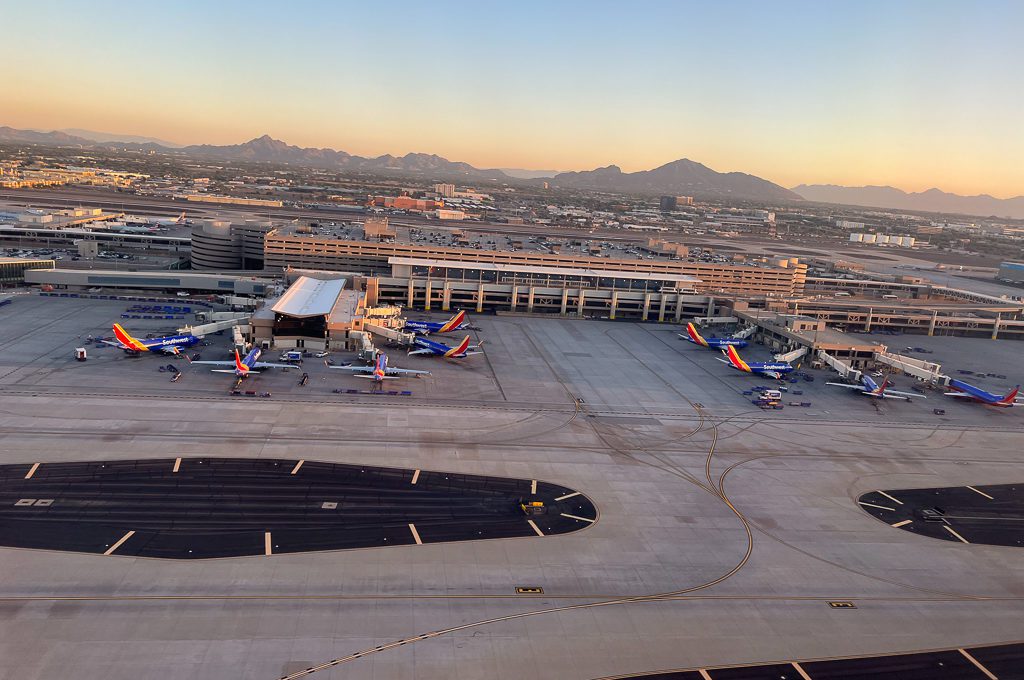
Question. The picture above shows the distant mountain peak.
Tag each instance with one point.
(931, 200)
(678, 177)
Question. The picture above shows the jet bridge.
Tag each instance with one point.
(845, 370)
(790, 357)
(396, 336)
(924, 370)
(745, 333)
(205, 329)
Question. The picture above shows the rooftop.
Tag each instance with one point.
(309, 297)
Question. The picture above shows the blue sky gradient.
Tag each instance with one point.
(910, 93)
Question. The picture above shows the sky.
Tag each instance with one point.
(909, 93)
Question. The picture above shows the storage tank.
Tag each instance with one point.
(856, 238)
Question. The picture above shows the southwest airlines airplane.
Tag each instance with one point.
(380, 371)
(711, 343)
(171, 344)
(869, 388)
(440, 349)
(773, 369)
(243, 367)
(457, 322)
(966, 391)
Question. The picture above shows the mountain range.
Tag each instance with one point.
(682, 177)
(932, 200)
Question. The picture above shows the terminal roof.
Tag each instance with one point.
(309, 297)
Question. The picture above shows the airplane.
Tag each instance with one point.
(711, 343)
(440, 349)
(771, 369)
(155, 221)
(170, 344)
(966, 391)
(380, 371)
(869, 388)
(243, 367)
(456, 323)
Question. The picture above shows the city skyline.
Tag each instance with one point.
(914, 96)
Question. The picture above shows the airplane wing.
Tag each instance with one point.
(263, 364)
(420, 351)
(356, 369)
(215, 363)
(404, 371)
(959, 394)
(113, 343)
(852, 387)
(902, 395)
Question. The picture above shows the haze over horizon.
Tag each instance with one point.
(913, 94)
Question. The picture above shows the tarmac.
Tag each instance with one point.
(723, 530)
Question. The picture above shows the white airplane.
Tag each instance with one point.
(133, 220)
(380, 371)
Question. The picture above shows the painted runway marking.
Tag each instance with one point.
(535, 527)
(297, 466)
(880, 507)
(533, 486)
(268, 546)
(986, 496)
(898, 502)
(901, 524)
(579, 518)
(987, 672)
(177, 465)
(32, 471)
(415, 476)
(415, 534)
(801, 671)
(568, 495)
(111, 549)
(950, 530)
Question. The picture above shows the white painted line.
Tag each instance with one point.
(950, 530)
(880, 507)
(177, 465)
(32, 471)
(703, 674)
(568, 495)
(297, 466)
(415, 534)
(117, 545)
(533, 486)
(416, 476)
(535, 527)
(988, 674)
(268, 546)
(898, 502)
(580, 518)
(901, 524)
(801, 671)
(986, 496)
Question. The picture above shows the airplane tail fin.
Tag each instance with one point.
(881, 388)
(453, 322)
(459, 349)
(691, 330)
(181, 217)
(1010, 397)
(125, 338)
(734, 358)
(239, 366)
